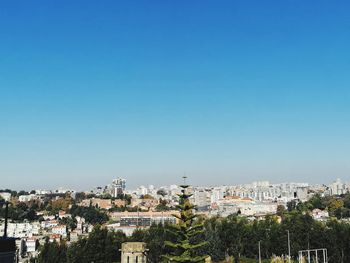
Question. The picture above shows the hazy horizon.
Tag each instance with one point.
(226, 92)
(178, 182)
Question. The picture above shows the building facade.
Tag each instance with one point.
(133, 252)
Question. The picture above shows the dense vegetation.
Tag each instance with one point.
(53, 203)
(338, 206)
(231, 236)
(21, 211)
(91, 214)
(100, 247)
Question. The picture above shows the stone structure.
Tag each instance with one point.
(133, 252)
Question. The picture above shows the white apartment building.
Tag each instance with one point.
(338, 187)
(27, 198)
(258, 208)
(245, 206)
(21, 230)
(201, 198)
(263, 191)
(217, 193)
(6, 196)
(60, 230)
(49, 223)
(31, 244)
(43, 192)
(142, 190)
(117, 187)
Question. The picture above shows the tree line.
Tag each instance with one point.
(233, 236)
(337, 206)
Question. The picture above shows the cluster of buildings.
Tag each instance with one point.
(151, 205)
(115, 189)
(30, 234)
(253, 200)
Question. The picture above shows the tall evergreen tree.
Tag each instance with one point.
(185, 247)
(53, 252)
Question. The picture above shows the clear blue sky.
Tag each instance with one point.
(226, 91)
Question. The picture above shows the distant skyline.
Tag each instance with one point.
(227, 92)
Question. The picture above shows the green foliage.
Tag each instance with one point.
(79, 196)
(291, 205)
(223, 238)
(281, 210)
(317, 202)
(346, 200)
(334, 205)
(162, 206)
(20, 212)
(232, 231)
(101, 246)
(212, 234)
(91, 214)
(185, 246)
(70, 222)
(157, 235)
(155, 238)
(338, 206)
(231, 237)
(55, 205)
(53, 252)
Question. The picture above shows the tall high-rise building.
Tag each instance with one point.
(338, 187)
(118, 187)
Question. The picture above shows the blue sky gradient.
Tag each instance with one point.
(226, 91)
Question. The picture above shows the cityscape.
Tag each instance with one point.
(65, 215)
(160, 131)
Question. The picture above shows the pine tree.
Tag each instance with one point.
(185, 248)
